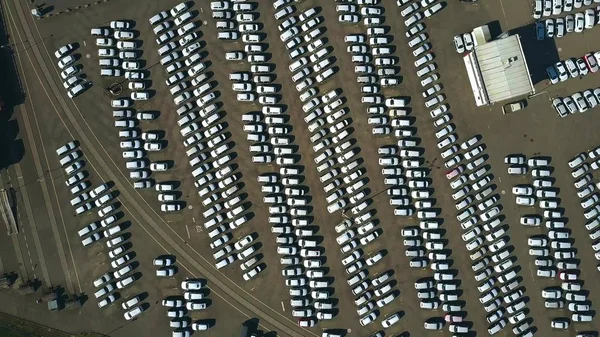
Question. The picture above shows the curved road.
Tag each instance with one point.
(225, 288)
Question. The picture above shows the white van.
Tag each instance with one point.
(284, 12)
(165, 187)
(288, 34)
(517, 170)
(100, 32)
(182, 98)
(110, 72)
(298, 64)
(200, 170)
(112, 231)
(325, 75)
(251, 38)
(122, 113)
(260, 68)
(202, 89)
(281, 229)
(266, 89)
(125, 123)
(126, 45)
(262, 158)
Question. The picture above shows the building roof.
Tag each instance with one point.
(475, 80)
(503, 69)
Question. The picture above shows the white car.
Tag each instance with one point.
(388, 322)
(374, 258)
(133, 313)
(65, 61)
(123, 35)
(369, 318)
(64, 50)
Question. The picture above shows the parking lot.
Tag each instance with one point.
(535, 130)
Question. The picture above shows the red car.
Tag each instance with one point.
(453, 318)
(591, 62)
(567, 276)
(455, 172)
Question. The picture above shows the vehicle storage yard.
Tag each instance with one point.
(322, 189)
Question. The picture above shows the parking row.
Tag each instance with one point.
(338, 165)
(194, 300)
(426, 243)
(554, 251)
(578, 102)
(73, 163)
(302, 258)
(306, 232)
(377, 54)
(412, 8)
(287, 197)
(103, 198)
(545, 8)
(479, 180)
(551, 28)
(180, 308)
(135, 149)
(498, 251)
(124, 60)
(73, 80)
(205, 137)
(569, 68)
(584, 164)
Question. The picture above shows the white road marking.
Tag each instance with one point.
(188, 231)
(282, 306)
(504, 13)
(531, 271)
(44, 187)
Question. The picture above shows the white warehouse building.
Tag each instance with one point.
(498, 71)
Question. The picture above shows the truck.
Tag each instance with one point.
(69, 303)
(48, 295)
(26, 288)
(72, 302)
(244, 332)
(481, 35)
